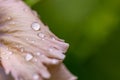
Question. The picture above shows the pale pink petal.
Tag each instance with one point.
(28, 49)
(60, 72)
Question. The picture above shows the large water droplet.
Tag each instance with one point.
(28, 57)
(36, 26)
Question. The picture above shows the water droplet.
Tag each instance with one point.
(12, 23)
(28, 57)
(27, 39)
(10, 53)
(41, 35)
(36, 26)
(35, 76)
(22, 49)
(54, 61)
(38, 53)
(32, 41)
(9, 18)
(35, 60)
(53, 38)
(51, 49)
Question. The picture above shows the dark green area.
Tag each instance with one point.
(92, 27)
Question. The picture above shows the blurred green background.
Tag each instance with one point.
(92, 28)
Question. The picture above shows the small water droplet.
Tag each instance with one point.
(10, 53)
(35, 76)
(54, 61)
(53, 38)
(27, 39)
(12, 23)
(41, 35)
(32, 41)
(51, 49)
(22, 49)
(36, 26)
(38, 53)
(35, 60)
(9, 18)
(28, 57)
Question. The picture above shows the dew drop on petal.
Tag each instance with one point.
(35, 76)
(54, 61)
(35, 60)
(32, 41)
(38, 53)
(9, 18)
(53, 38)
(22, 49)
(51, 49)
(28, 57)
(12, 23)
(36, 26)
(10, 53)
(27, 39)
(41, 35)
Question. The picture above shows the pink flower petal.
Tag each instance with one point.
(28, 49)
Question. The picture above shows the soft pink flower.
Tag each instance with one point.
(28, 49)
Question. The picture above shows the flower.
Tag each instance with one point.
(28, 49)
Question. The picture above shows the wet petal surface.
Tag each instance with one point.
(27, 47)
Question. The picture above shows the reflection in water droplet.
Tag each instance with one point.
(28, 57)
(36, 26)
